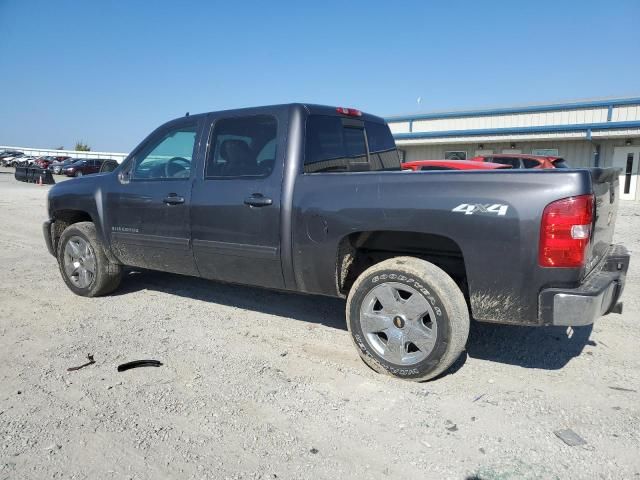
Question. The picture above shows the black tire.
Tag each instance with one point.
(442, 296)
(107, 274)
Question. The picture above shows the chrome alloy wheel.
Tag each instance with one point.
(79, 262)
(399, 323)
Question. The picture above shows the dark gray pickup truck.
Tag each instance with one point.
(311, 199)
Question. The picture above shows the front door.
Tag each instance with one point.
(627, 160)
(149, 209)
(236, 202)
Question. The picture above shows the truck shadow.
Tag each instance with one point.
(549, 348)
(313, 309)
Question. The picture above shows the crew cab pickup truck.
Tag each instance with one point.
(312, 199)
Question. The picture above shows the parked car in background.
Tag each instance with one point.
(10, 157)
(109, 166)
(422, 165)
(83, 166)
(21, 161)
(520, 160)
(35, 159)
(10, 153)
(57, 166)
(25, 161)
(44, 162)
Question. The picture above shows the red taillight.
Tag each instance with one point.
(352, 112)
(565, 232)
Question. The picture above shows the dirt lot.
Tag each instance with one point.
(257, 384)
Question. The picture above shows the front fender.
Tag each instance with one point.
(78, 199)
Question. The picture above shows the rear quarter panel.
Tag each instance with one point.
(500, 251)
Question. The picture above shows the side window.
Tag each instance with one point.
(331, 146)
(169, 157)
(530, 163)
(268, 152)
(514, 162)
(560, 163)
(242, 147)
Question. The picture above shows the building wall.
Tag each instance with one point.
(579, 153)
(607, 147)
(591, 114)
(515, 120)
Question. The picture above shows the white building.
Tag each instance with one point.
(590, 133)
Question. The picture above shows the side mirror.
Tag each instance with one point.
(124, 177)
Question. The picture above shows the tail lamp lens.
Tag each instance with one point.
(565, 232)
(352, 112)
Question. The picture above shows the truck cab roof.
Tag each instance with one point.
(307, 108)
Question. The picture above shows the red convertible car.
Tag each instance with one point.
(451, 165)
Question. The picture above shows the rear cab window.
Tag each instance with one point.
(336, 144)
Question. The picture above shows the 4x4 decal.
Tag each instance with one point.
(488, 208)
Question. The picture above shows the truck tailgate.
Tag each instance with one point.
(606, 189)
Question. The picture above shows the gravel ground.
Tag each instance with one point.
(257, 384)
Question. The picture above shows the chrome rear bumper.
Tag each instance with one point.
(598, 295)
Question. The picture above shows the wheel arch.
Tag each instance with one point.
(359, 250)
(63, 218)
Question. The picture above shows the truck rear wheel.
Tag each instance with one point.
(83, 264)
(407, 318)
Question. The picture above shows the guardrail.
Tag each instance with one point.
(38, 152)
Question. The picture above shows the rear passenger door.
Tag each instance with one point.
(235, 217)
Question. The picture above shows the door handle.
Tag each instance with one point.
(258, 200)
(173, 199)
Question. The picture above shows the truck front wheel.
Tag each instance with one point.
(407, 318)
(83, 264)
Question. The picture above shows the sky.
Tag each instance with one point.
(109, 72)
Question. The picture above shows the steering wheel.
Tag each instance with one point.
(177, 167)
